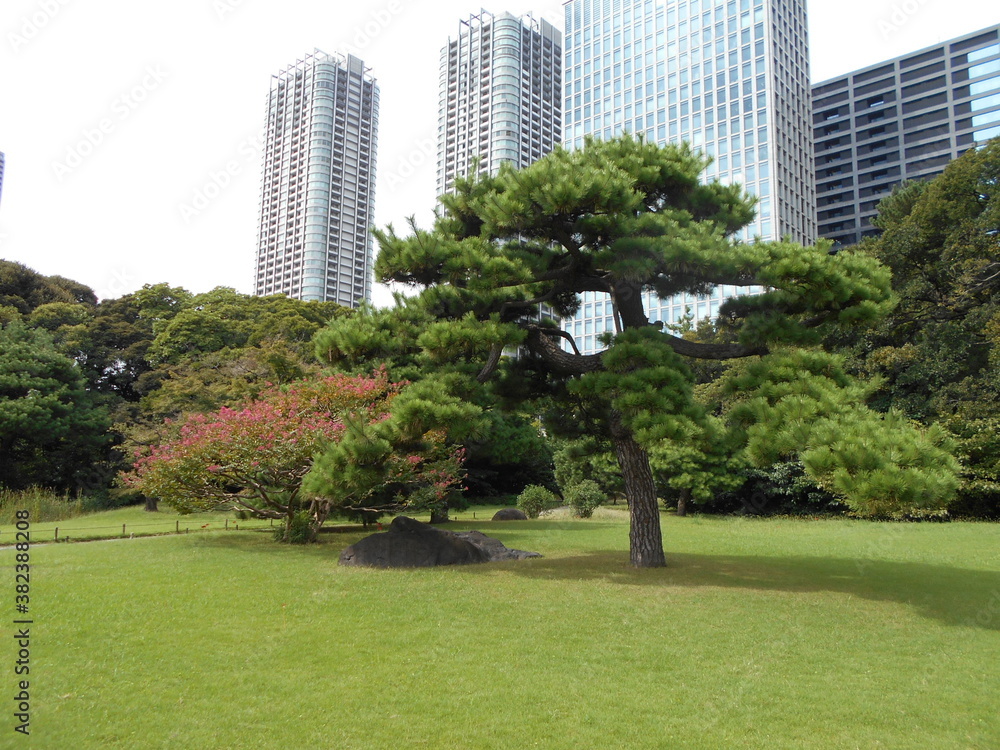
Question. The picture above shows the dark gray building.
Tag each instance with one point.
(903, 119)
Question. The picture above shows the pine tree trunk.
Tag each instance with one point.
(645, 538)
(439, 515)
(682, 501)
(152, 505)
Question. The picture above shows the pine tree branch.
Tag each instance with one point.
(491, 364)
(540, 343)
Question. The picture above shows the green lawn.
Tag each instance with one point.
(759, 634)
(134, 521)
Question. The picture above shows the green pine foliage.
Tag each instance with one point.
(802, 404)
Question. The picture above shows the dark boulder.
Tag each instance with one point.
(509, 514)
(412, 544)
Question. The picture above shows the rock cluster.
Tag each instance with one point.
(412, 544)
(510, 514)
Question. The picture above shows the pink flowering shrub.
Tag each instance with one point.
(254, 459)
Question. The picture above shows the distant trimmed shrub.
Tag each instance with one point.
(534, 499)
(584, 497)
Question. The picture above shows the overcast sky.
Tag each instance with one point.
(131, 128)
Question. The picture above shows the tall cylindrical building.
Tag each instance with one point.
(500, 95)
(318, 185)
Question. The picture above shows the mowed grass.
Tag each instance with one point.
(759, 634)
(136, 522)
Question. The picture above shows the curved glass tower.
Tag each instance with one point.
(500, 95)
(318, 187)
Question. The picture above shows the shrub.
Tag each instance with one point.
(584, 497)
(41, 504)
(299, 531)
(534, 499)
(110, 500)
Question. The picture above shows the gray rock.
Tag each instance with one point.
(412, 544)
(494, 547)
(510, 514)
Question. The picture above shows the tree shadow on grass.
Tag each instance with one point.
(954, 596)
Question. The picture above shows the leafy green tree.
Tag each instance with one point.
(223, 320)
(111, 346)
(222, 348)
(503, 454)
(51, 429)
(936, 355)
(507, 455)
(25, 289)
(587, 458)
(621, 218)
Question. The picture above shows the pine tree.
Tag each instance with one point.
(621, 218)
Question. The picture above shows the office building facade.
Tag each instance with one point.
(903, 119)
(318, 185)
(500, 95)
(730, 77)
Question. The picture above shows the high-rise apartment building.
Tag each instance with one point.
(903, 119)
(318, 187)
(500, 95)
(2, 159)
(730, 77)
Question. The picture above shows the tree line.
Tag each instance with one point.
(862, 379)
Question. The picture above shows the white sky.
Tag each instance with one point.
(173, 95)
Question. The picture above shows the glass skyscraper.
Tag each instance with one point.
(730, 77)
(500, 95)
(318, 187)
